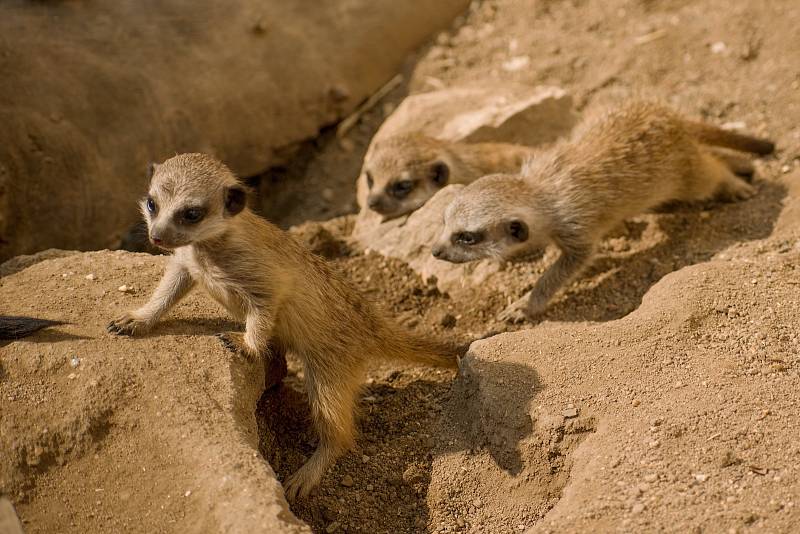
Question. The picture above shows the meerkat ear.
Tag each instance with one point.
(151, 169)
(235, 200)
(518, 230)
(440, 173)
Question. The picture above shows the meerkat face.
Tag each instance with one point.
(402, 173)
(486, 220)
(191, 199)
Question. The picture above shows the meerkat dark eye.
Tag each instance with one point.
(518, 231)
(440, 173)
(370, 180)
(467, 238)
(192, 215)
(151, 205)
(402, 188)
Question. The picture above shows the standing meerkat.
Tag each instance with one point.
(402, 172)
(288, 298)
(621, 163)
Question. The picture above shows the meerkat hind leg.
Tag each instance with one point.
(332, 399)
(727, 186)
(739, 164)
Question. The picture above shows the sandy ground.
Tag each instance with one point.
(658, 394)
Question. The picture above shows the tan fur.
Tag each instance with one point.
(420, 160)
(288, 298)
(617, 165)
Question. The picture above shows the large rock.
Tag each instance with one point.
(92, 92)
(481, 112)
(503, 112)
(410, 239)
(110, 434)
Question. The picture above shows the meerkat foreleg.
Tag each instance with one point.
(256, 337)
(173, 286)
(569, 264)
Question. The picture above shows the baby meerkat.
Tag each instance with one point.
(404, 171)
(617, 165)
(288, 298)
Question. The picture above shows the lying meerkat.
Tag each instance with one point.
(288, 298)
(404, 171)
(624, 162)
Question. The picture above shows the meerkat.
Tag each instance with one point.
(617, 165)
(404, 171)
(288, 298)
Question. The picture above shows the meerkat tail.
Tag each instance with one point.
(20, 327)
(416, 349)
(709, 134)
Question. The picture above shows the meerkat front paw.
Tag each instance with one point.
(234, 342)
(129, 324)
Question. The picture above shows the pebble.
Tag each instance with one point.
(477, 503)
(719, 47)
(448, 320)
(125, 289)
(75, 361)
(188, 493)
(638, 508)
(90, 276)
(516, 63)
(570, 412)
(785, 169)
(413, 475)
(347, 481)
(72, 376)
(370, 487)
(700, 477)
(333, 527)
(364, 459)
(636, 402)
(651, 478)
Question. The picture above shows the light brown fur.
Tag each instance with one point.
(288, 298)
(617, 165)
(429, 164)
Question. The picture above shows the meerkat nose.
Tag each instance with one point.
(373, 202)
(155, 239)
(437, 251)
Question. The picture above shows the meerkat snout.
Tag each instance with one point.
(183, 207)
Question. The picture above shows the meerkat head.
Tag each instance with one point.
(403, 172)
(191, 199)
(493, 217)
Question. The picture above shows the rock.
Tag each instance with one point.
(506, 112)
(347, 481)
(272, 55)
(232, 487)
(570, 412)
(447, 320)
(333, 527)
(490, 111)
(409, 240)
